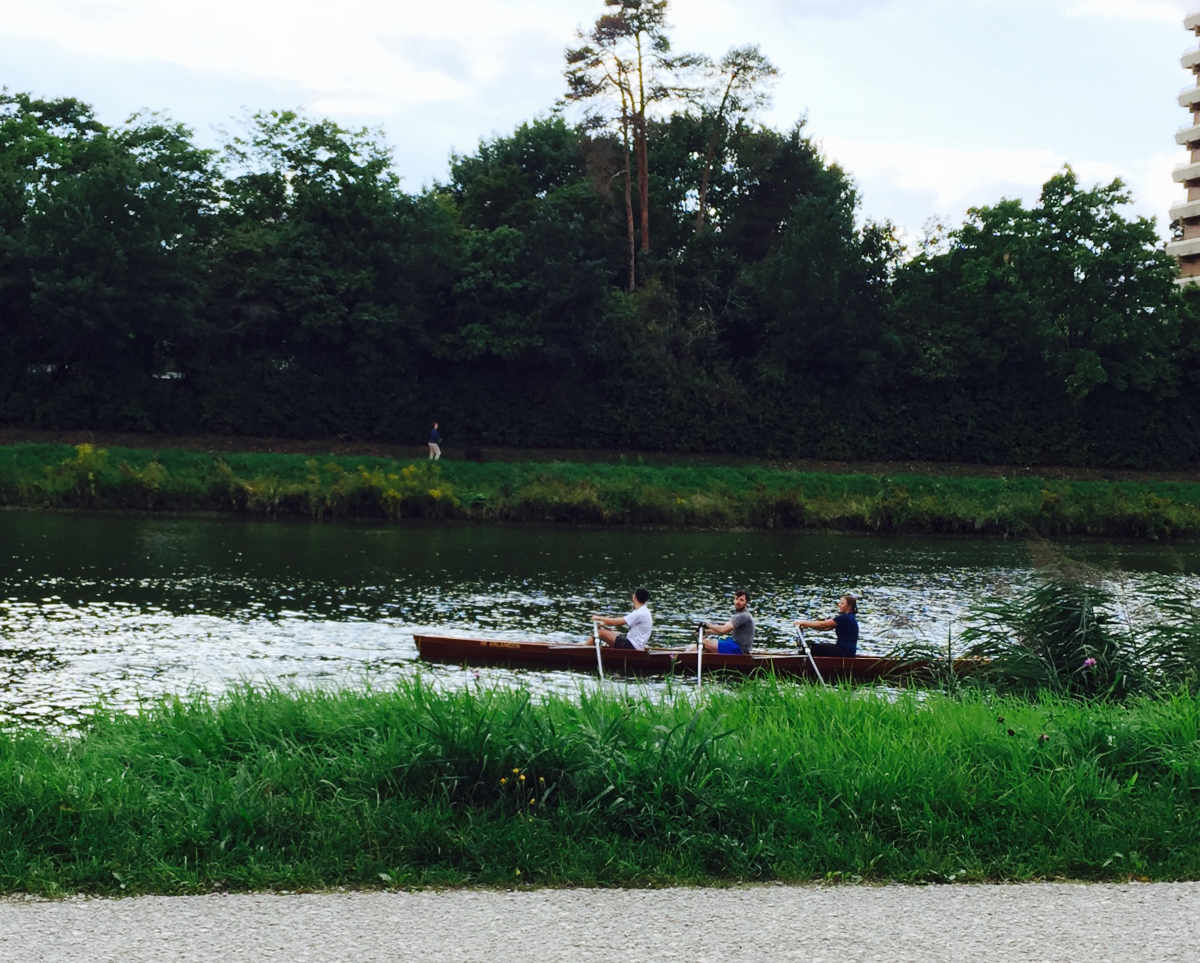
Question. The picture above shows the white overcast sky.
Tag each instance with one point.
(933, 106)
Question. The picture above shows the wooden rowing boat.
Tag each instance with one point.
(457, 650)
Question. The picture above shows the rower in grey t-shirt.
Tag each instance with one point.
(736, 635)
(743, 630)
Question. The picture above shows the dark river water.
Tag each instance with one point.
(118, 609)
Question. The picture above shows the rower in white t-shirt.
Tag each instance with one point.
(639, 624)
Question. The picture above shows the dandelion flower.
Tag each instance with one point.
(504, 780)
(522, 777)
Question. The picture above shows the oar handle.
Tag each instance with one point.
(807, 651)
(596, 639)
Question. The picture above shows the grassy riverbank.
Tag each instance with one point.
(772, 781)
(690, 495)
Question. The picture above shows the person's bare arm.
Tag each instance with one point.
(814, 623)
(725, 629)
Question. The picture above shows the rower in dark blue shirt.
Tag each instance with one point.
(845, 624)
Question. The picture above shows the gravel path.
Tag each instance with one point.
(1044, 921)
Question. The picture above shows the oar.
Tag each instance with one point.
(808, 652)
(596, 639)
(699, 651)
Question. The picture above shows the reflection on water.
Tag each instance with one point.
(121, 609)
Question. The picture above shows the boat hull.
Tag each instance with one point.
(456, 650)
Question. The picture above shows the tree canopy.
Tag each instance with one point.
(287, 284)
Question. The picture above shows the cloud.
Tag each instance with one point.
(1155, 192)
(354, 52)
(1146, 11)
(884, 75)
(827, 9)
(955, 176)
(921, 179)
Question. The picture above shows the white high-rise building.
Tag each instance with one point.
(1187, 250)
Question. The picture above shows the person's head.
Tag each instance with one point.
(640, 596)
(741, 598)
(435, 424)
(848, 603)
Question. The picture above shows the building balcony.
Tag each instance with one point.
(1188, 248)
(1185, 212)
(1190, 172)
(1190, 60)
(1189, 135)
(1189, 97)
(1192, 22)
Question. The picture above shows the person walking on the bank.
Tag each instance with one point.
(735, 637)
(435, 450)
(845, 624)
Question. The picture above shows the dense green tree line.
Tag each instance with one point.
(286, 284)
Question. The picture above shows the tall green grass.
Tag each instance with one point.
(600, 494)
(772, 781)
(1072, 633)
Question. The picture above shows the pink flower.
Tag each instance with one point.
(1089, 662)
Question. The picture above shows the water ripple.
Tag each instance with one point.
(120, 610)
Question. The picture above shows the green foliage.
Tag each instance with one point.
(1060, 635)
(80, 475)
(504, 182)
(105, 251)
(1073, 635)
(1069, 295)
(331, 491)
(287, 285)
(679, 494)
(772, 781)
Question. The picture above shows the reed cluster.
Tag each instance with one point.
(687, 495)
(1072, 632)
(771, 781)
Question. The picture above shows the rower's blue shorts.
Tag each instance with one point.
(726, 646)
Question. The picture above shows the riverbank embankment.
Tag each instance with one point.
(622, 493)
(771, 781)
(364, 448)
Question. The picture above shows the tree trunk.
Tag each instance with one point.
(632, 233)
(639, 132)
(704, 179)
(710, 155)
(644, 184)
